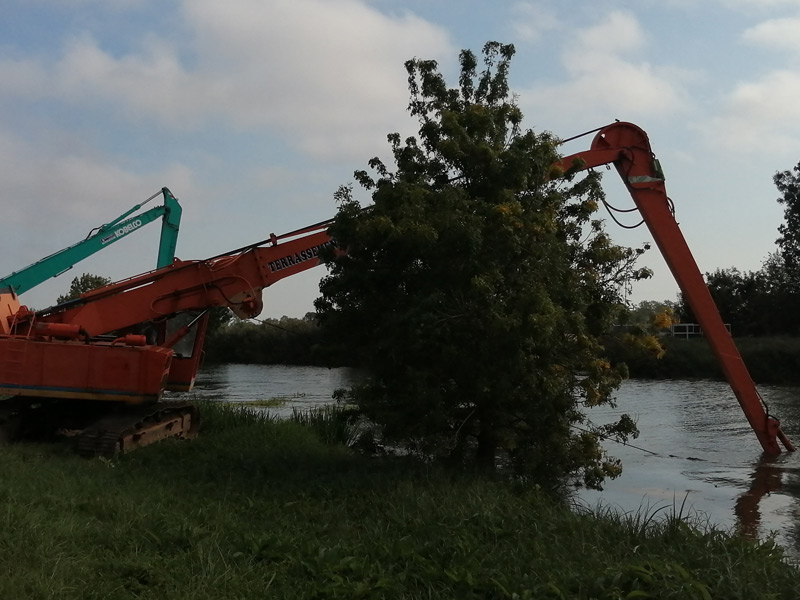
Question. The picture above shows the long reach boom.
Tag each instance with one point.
(627, 147)
(102, 237)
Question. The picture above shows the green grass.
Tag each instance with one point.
(333, 424)
(257, 508)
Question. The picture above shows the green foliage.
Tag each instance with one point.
(224, 416)
(674, 359)
(219, 317)
(271, 341)
(258, 508)
(651, 315)
(83, 284)
(772, 359)
(475, 287)
(333, 424)
(640, 330)
(752, 303)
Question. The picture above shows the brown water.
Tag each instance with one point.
(696, 446)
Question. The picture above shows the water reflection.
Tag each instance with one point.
(767, 478)
(771, 505)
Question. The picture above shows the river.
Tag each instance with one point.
(695, 448)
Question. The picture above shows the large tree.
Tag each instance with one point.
(475, 288)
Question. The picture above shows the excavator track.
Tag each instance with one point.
(136, 427)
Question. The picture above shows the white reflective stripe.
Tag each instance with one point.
(643, 179)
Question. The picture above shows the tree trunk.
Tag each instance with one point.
(487, 447)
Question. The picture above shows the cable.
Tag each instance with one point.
(265, 322)
(606, 437)
(611, 439)
(585, 133)
(611, 211)
(622, 210)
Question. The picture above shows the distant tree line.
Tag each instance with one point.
(269, 341)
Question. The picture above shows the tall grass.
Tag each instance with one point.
(332, 423)
(260, 508)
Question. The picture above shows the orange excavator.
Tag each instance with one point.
(98, 365)
(124, 344)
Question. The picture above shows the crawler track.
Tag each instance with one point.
(136, 427)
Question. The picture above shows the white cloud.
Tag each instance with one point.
(325, 76)
(327, 73)
(618, 32)
(605, 79)
(332, 70)
(760, 4)
(112, 5)
(24, 77)
(781, 34)
(762, 115)
(532, 20)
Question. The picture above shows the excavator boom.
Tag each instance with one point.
(627, 147)
(101, 237)
(233, 279)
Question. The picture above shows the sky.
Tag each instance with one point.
(253, 113)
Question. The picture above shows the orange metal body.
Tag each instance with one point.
(41, 354)
(233, 280)
(77, 371)
(627, 147)
(184, 368)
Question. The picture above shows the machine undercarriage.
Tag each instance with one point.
(93, 428)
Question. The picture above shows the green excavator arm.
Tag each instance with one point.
(102, 237)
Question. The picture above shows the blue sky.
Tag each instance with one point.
(253, 112)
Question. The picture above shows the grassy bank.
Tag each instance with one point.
(257, 509)
(774, 360)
